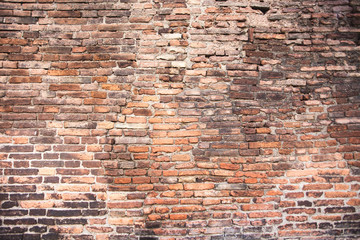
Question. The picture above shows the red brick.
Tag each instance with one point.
(254, 207)
(135, 172)
(317, 186)
(297, 218)
(188, 209)
(138, 149)
(257, 167)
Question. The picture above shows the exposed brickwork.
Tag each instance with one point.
(174, 119)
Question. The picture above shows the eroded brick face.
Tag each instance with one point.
(198, 119)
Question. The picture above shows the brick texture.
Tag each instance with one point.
(179, 120)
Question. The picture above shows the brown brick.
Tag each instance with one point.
(142, 112)
(61, 14)
(9, 49)
(17, 148)
(25, 80)
(14, 72)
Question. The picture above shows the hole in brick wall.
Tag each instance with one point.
(305, 90)
(146, 233)
(263, 9)
(355, 171)
(148, 238)
(305, 94)
(152, 224)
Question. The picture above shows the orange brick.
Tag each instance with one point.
(166, 126)
(263, 130)
(37, 204)
(354, 202)
(63, 72)
(178, 216)
(184, 133)
(121, 221)
(74, 132)
(301, 173)
(255, 207)
(264, 144)
(135, 119)
(199, 186)
(138, 148)
(264, 214)
(340, 194)
(168, 149)
(318, 186)
(163, 141)
(122, 180)
(257, 167)
(181, 157)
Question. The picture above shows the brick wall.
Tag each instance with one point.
(174, 119)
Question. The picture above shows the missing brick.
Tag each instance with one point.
(263, 9)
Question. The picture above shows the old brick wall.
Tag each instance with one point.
(179, 119)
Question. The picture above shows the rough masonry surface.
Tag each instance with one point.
(180, 119)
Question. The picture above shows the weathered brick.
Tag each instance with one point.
(125, 205)
(199, 186)
(208, 119)
(37, 204)
(265, 145)
(25, 80)
(63, 213)
(257, 167)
